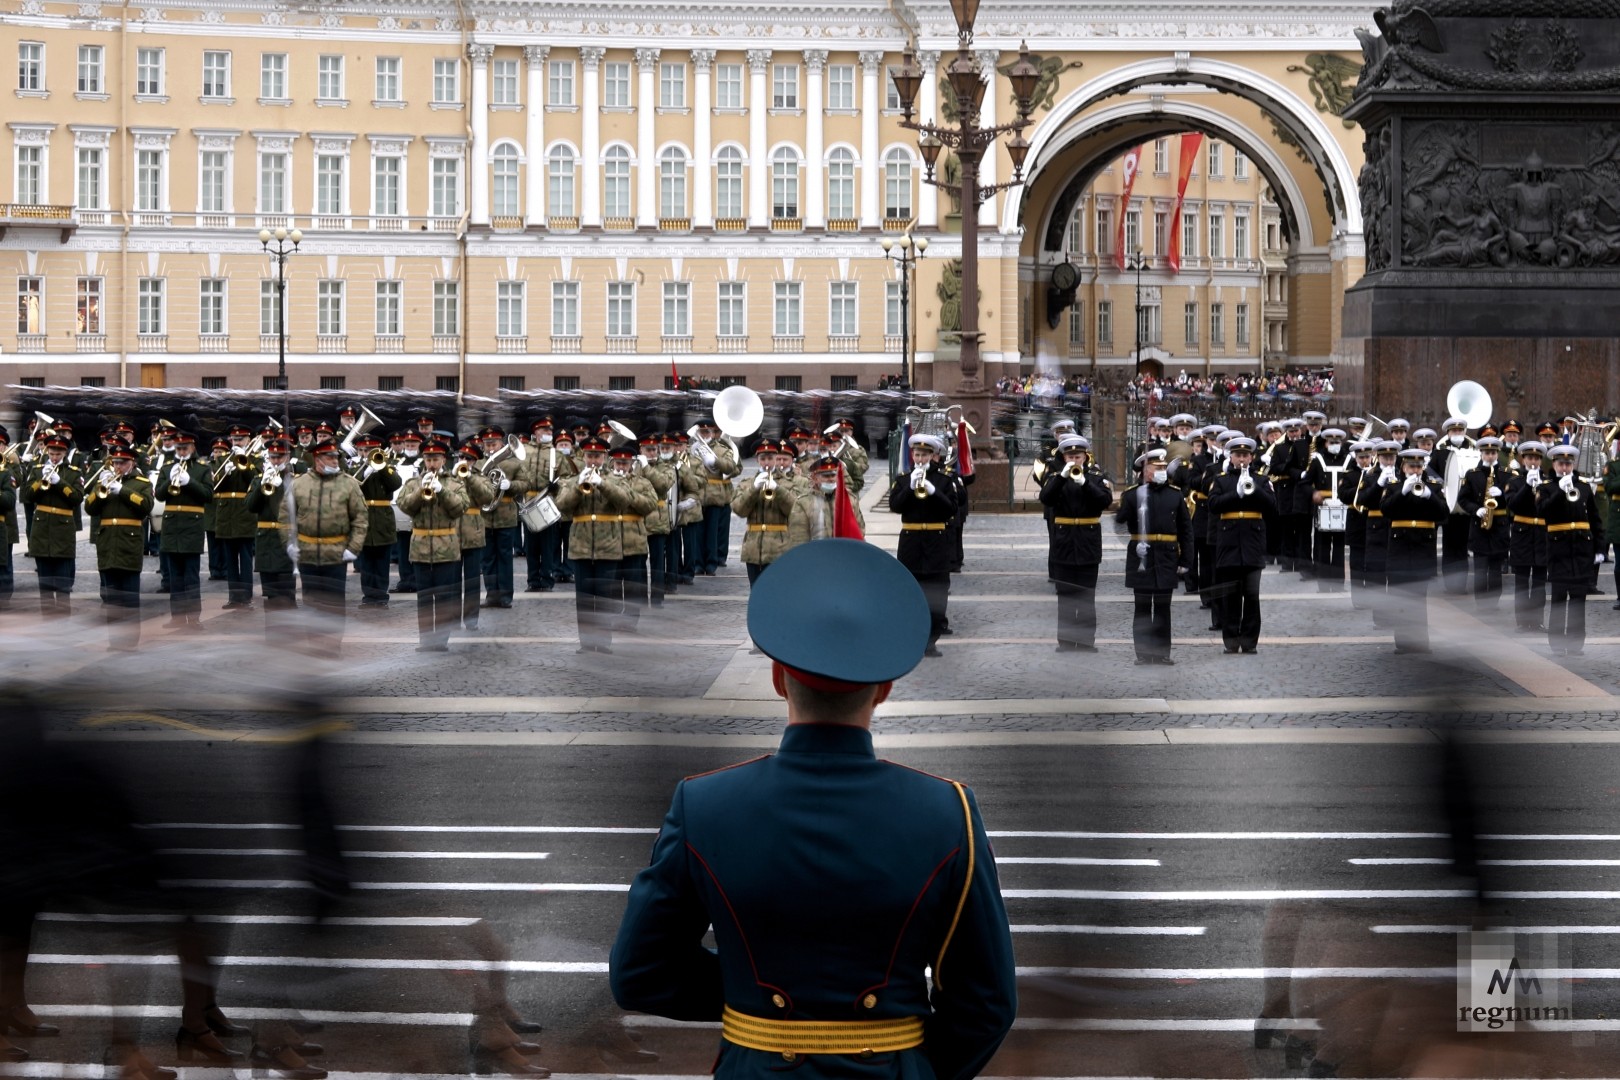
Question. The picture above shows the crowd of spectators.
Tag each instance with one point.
(1145, 387)
(1046, 391)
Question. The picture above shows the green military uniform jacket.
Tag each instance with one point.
(691, 472)
(812, 517)
(435, 529)
(662, 475)
(8, 501)
(767, 520)
(233, 520)
(504, 515)
(549, 476)
(379, 489)
(54, 534)
(644, 502)
(183, 508)
(121, 539)
(856, 462)
(480, 493)
(717, 481)
(597, 516)
(332, 517)
(270, 530)
(213, 464)
(1609, 502)
(91, 470)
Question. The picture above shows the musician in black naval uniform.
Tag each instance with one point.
(1527, 539)
(925, 499)
(1331, 475)
(837, 884)
(1155, 514)
(1244, 506)
(1569, 507)
(1413, 507)
(1075, 497)
(1481, 496)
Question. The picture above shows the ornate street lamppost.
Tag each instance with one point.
(970, 143)
(906, 252)
(286, 244)
(1138, 262)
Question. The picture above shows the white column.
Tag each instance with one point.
(759, 165)
(988, 58)
(646, 150)
(928, 113)
(815, 202)
(702, 175)
(590, 150)
(535, 191)
(479, 56)
(872, 98)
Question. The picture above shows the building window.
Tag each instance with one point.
(1217, 236)
(1240, 236)
(1161, 232)
(30, 306)
(1189, 235)
(621, 309)
(1215, 168)
(728, 183)
(1240, 165)
(512, 382)
(329, 84)
(385, 190)
(1105, 232)
(560, 82)
(273, 183)
(1074, 236)
(149, 306)
(389, 294)
(215, 382)
(216, 78)
(1217, 326)
(334, 382)
(728, 86)
(509, 309)
(841, 321)
(30, 66)
(732, 380)
(891, 96)
(329, 307)
(1105, 322)
(789, 314)
(30, 175)
(616, 85)
(785, 86)
(90, 69)
(616, 183)
(504, 181)
(841, 185)
(785, 183)
(269, 302)
(446, 187)
(845, 382)
(390, 382)
(212, 183)
(329, 184)
(677, 309)
(273, 382)
(897, 185)
(503, 82)
(211, 306)
(1149, 323)
(92, 380)
(273, 76)
(1161, 156)
(560, 182)
(732, 310)
(894, 321)
(89, 178)
(565, 309)
(841, 87)
(89, 311)
(149, 180)
(1133, 230)
(446, 308)
(449, 383)
(672, 86)
(447, 80)
(1077, 324)
(565, 382)
(31, 380)
(790, 383)
(149, 72)
(1241, 323)
(1189, 323)
(672, 183)
(621, 382)
(388, 78)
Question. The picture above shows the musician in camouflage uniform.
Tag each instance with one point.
(436, 501)
(332, 521)
(765, 502)
(599, 500)
(480, 494)
(510, 479)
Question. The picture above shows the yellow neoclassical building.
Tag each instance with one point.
(604, 194)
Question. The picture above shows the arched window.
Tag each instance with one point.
(504, 190)
(841, 185)
(728, 183)
(785, 183)
(672, 183)
(560, 182)
(897, 185)
(616, 182)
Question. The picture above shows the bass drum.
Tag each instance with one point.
(157, 517)
(407, 473)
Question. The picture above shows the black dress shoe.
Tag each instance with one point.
(946, 632)
(205, 1044)
(285, 1062)
(932, 650)
(18, 1021)
(1063, 646)
(221, 1025)
(1165, 661)
(504, 604)
(1250, 649)
(1230, 650)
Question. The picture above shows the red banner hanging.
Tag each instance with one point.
(1190, 145)
(1132, 165)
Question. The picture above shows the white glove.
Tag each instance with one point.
(1599, 559)
(349, 556)
(230, 467)
(705, 454)
(1567, 482)
(686, 504)
(151, 478)
(115, 486)
(275, 477)
(1533, 477)
(1081, 479)
(1480, 513)
(1411, 482)
(47, 478)
(918, 475)
(1142, 551)
(928, 486)
(506, 482)
(292, 550)
(759, 482)
(1493, 491)
(367, 472)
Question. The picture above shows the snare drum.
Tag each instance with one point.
(539, 514)
(1332, 517)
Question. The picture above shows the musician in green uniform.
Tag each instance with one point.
(480, 494)
(219, 455)
(379, 480)
(119, 501)
(235, 529)
(8, 518)
(658, 467)
(185, 490)
(53, 489)
(271, 540)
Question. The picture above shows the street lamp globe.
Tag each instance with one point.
(886, 244)
(296, 236)
(922, 244)
(264, 236)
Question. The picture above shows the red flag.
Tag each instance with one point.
(673, 372)
(964, 450)
(1190, 145)
(846, 526)
(1132, 165)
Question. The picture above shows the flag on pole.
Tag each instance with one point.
(675, 374)
(1132, 165)
(846, 526)
(964, 450)
(1190, 145)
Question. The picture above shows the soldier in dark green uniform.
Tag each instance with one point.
(8, 518)
(53, 489)
(378, 482)
(480, 493)
(219, 455)
(266, 503)
(185, 490)
(235, 528)
(501, 523)
(120, 504)
(839, 886)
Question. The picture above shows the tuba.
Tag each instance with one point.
(366, 422)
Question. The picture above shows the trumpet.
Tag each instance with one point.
(380, 458)
(431, 485)
(462, 470)
(1245, 484)
(104, 480)
(271, 479)
(179, 477)
(1571, 492)
(588, 479)
(919, 478)
(770, 485)
(50, 473)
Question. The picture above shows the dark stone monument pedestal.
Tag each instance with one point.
(1491, 195)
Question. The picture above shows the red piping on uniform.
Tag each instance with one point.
(889, 971)
(738, 924)
(726, 768)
